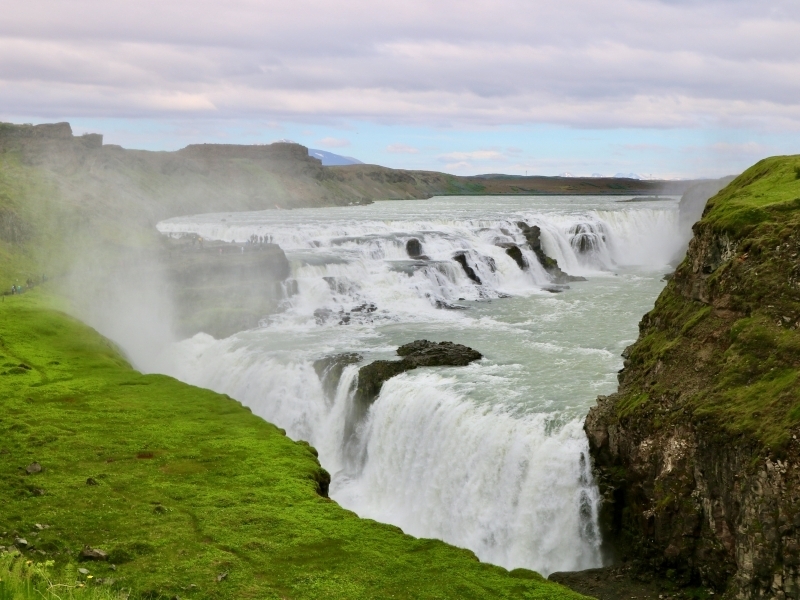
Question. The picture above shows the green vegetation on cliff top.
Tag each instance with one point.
(767, 191)
(188, 492)
(723, 341)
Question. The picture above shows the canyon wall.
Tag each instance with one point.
(697, 453)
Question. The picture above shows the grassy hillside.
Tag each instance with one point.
(183, 487)
(727, 324)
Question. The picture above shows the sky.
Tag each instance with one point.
(662, 88)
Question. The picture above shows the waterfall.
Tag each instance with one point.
(490, 457)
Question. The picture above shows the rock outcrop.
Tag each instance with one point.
(697, 454)
(414, 249)
(420, 353)
(461, 259)
(329, 369)
(533, 235)
(221, 288)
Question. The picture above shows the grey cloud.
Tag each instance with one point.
(653, 63)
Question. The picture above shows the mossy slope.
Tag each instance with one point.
(185, 485)
(724, 333)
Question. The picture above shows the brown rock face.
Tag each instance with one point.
(697, 453)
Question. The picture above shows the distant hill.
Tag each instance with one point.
(144, 187)
(329, 159)
(83, 182)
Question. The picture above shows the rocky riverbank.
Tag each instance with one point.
(697, 453)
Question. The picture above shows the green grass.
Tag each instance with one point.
(189, 486)
(24, 579)
(768, 188)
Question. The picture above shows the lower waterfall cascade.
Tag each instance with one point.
(492, 456)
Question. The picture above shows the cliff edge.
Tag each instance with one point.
(697, 453)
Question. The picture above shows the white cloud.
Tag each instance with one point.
(331, 142)
(745, 149)
(481, 155)
(401, 149)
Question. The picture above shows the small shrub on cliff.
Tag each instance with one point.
(22, 579)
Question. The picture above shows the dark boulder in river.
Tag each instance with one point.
(414, 249)
(420, 353)
(423, 353)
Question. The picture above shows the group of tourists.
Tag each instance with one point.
(259, 239)
(17, 289)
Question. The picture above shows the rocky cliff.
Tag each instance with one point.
(697, 453)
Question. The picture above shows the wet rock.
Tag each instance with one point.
(322, 314)
(372, 376)
(423, 353)
(533, 235)
(448, 306)
(291, 287)
(89, 553)
(365, 308)
(329, 369)
(414, 249)
(461, 258)
(420, 353)
(514, 252)
(33, 468)
(584, 239)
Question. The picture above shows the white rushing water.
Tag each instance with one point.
(491, 456)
